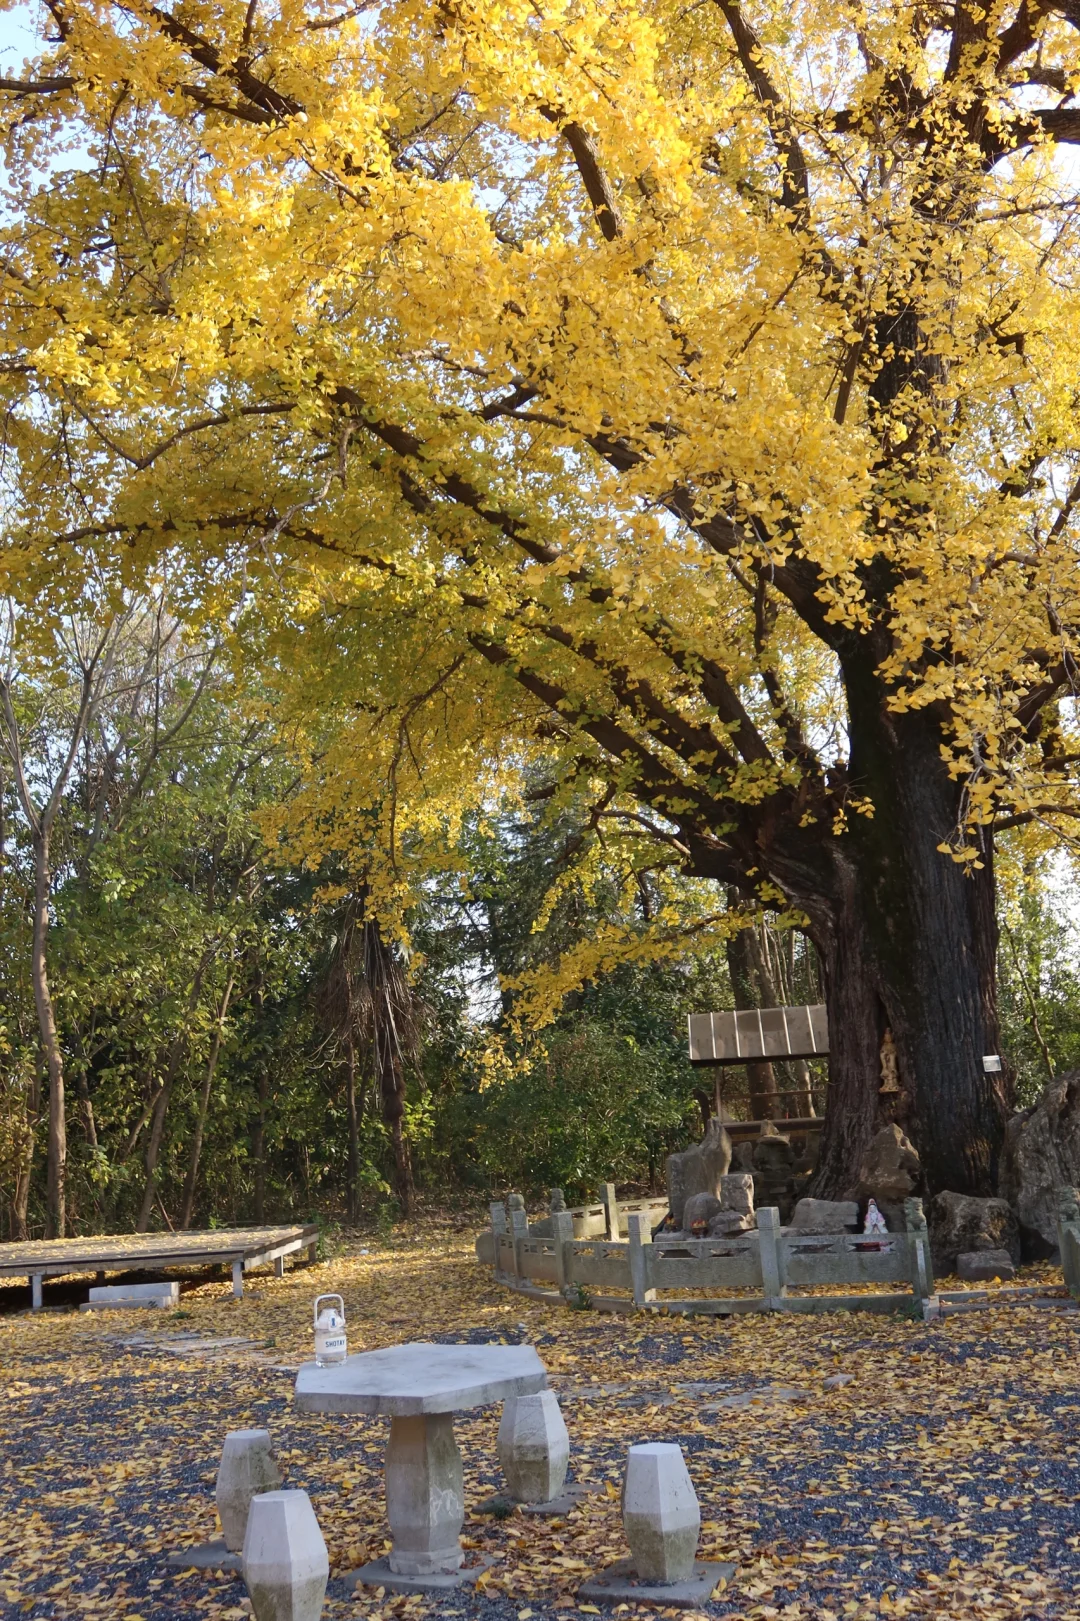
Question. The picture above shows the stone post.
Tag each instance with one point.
(562, 1226)
(660, 1512)
(918, 1238)
(1068, 1226)
(247, 1469)
(498, 1231)
(639, 1234)
(534, 1447)
(425, 1495)
(519, 1229)
(612, 1210)
(285, 1560)
(769, 1241)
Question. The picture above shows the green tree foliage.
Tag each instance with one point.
(208, 985)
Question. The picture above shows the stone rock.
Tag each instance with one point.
(959, 1222)
(979, 1266)
(1041, 1156)
(698, 1169)
(729, 1224)
(737, 1192)
(285, 1560)
(660, 1512)
(533, 1446)
(773, 1155)
(247, 1468)
(774, 1162)
(135, 1294)
(890, 1171)
(742, 1157)
(700, 1207)
(825, 1216)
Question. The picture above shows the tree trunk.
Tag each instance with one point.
(50, 1042)
(392, 1087)
(20, 1198)
(797, 1100)
(191, 1181)
(403, 1175)
(907, 940)
(353, 1169)
(258, 1144)
(161, 1104)
(760, 1078)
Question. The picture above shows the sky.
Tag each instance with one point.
(19, 30)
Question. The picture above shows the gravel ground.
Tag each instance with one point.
(942, 1481)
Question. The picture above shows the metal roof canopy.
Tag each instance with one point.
(753, 1034)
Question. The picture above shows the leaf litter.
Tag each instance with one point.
(942, 1481)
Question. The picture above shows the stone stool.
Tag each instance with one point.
(661, 1516)
(247, 1468)
(534, 1448)
(285, 1560)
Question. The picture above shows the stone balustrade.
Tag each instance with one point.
(753, 1271)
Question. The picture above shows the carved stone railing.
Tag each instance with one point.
(755, 1271)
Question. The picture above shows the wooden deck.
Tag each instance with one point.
(242, 1248)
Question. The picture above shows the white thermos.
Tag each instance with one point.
(331, 1344)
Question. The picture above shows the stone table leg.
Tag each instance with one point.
(425, 1497)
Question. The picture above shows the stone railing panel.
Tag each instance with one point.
(826, 1258)
(704, 1263)
(599, 1264)
(537, 1260)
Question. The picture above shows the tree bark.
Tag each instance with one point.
(258, 1144)
(403, 1174)
(353, 1163)
(161, 1102)
(795, 1100)
(50, 1042)
(20, 1198)
(191, 1181)
(907, 939)
(157, 1134)
(760, 1077)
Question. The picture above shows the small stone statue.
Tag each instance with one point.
(875, 1221)
(558, 1203)
(514, 1201)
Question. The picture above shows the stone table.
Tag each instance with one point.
(419, 1387)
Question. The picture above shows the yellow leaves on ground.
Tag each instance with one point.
(940, 1484)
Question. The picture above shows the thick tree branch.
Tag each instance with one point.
(796, 186)
(587, 157)
(50, 86)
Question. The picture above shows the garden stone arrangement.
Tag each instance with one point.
(707, 1249)
(722, 1264)
(283, 1557)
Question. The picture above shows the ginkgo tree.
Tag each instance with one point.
(683, 394)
